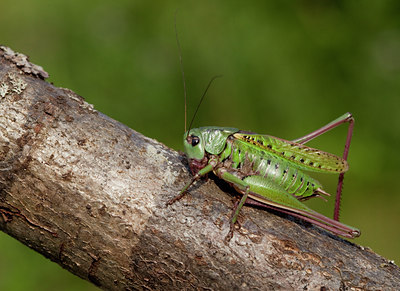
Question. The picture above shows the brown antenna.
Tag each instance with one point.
(184, 82)
(201, 100)
(181, 64)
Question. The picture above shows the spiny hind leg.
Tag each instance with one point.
(347, 117)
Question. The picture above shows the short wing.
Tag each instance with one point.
(275, 197)
(303, 156)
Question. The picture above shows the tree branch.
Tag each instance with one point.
(90, 194)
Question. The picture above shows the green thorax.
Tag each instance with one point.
(206, 139)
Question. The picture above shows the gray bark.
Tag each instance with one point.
(90, 194)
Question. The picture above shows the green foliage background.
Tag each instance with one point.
(289, 67)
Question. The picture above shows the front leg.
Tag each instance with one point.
(210, 166)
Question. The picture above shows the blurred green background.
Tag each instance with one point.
(288, 68)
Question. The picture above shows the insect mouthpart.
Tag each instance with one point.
(197, 165)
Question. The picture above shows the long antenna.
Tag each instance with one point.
(201, 100)
(181, 64)
(183, 79)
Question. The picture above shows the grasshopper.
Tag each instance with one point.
(268, 171)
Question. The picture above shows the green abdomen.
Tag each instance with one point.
(246, 160)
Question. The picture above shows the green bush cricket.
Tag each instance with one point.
(266, 170)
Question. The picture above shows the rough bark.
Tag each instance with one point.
(90, 194)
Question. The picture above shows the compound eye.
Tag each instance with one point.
(195, 140)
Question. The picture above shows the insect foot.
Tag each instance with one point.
(176, 198)
(230, 233)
